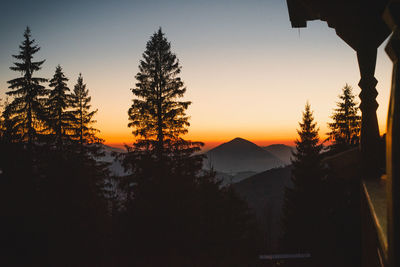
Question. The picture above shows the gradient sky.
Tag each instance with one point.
(247, 72)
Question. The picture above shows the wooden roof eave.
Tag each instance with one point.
(359, 24)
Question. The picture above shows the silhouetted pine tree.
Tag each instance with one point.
(26, 110)
(158, 119)
(173, 209)
(302, 211)
(157, 116)
(88, 144)
(59, 115)
(84, 132)
(346, 125)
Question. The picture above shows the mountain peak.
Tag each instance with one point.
(238, 144)
(281, 151)
(239, 140)
(241, 155)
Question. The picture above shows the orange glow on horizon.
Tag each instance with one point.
(212, 143)
(214, 137)
(120, 140)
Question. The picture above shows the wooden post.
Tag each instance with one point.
(392, 17)
(369, 125)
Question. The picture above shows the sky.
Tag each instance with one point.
(247, 72)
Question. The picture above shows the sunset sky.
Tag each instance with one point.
(247, 72)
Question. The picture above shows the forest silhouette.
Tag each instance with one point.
(61, 205)
(59, 200)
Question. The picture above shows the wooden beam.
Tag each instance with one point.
(392, 17)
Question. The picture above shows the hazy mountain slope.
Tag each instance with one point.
(282, 152)
(240, 155)
(264, 193)
(233, 178)
(115, 166)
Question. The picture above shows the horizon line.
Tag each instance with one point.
(214, 143)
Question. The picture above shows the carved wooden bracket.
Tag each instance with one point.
(369, 125)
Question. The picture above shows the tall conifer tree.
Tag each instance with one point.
(89, 145)
(59, 115)
(301, 208)
(346, 125)
(84, 132)
(171, 208)
(26, 110)
(157, 116)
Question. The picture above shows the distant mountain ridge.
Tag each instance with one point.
(281, 151)
(240, 155)
(234, 160)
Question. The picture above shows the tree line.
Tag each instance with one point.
(321, 209)
(62, 207)
(39, 115)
